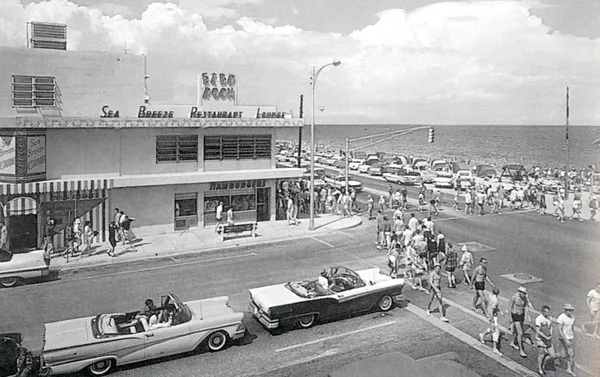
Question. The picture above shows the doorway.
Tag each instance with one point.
(22, 232)
(263, 212)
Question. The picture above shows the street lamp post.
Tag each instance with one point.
(314, 77)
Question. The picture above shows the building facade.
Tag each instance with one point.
(78, 138)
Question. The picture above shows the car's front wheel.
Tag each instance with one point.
(101, 368)
(385, 303)
(306, 321)
(9, 282)
(217, 341)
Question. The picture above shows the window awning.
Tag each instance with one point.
(13, 189)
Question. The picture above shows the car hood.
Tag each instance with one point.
(69, 333)
(273, 295)
(210, 307)
(32, 260)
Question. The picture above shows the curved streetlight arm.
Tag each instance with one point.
(315, 75)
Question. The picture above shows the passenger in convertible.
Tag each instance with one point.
(163, 319)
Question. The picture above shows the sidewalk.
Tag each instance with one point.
(203, 240)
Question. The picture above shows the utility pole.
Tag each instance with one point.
(567, 148)
(300, 129)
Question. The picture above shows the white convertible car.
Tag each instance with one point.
(104, 341)
(304, 303)
(16, 268)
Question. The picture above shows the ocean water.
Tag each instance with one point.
(498, 145)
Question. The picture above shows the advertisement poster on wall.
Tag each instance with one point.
(7, 155)
(36, 154)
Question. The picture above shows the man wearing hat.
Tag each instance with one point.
(566, 335)
(518, 303)
(435, 285)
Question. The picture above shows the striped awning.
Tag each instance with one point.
(21, 206)
(55, 186)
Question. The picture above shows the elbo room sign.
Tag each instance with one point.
(219, 87)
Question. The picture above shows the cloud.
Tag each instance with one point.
(456, 62)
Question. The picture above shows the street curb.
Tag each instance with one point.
(196, 250)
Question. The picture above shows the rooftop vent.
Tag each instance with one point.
(46, 35)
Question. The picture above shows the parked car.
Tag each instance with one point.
(339, 182)
(375, 170)
(319, 183)
(101, 342)
(402, 176)
(16, 360)
(443, 181)
(371, 160)
(355, 163)
(485, 171)
(303, 303)
(464, 179)
(427, 175)
(16, 268)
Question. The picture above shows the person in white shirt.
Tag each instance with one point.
(543, 337)
(219, 215)
(413, 222)
(493, 313)
(593, 304)
(566, 334)
(230, 216)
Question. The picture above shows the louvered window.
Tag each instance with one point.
(33, 91)
(176, 148)
(237, 147)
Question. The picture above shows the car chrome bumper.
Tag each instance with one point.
(262, 317)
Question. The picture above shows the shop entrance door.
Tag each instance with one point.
(22, 232)
(263, 212)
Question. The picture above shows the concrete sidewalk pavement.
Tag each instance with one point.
(203, 240)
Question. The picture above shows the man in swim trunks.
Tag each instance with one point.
(516, 307)
(494, 327)
(543, 331)
(478, 282)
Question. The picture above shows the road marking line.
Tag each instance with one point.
(173, 259)
(345, 234)
(323, 242)
(335, 336)
(159, 267)
(470, 341)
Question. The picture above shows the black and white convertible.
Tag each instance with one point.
(304, 303)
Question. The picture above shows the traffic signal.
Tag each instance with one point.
(431, 135)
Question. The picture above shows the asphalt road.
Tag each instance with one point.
(564, 255)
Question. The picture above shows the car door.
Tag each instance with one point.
(167, 341)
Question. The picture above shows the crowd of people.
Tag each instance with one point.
(417, 248)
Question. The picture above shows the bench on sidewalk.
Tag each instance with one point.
(229, 229)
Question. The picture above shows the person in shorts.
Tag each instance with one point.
(435, 286)
(466, 263)
(518, 303)
(543, 337)
(566, 323)
(494, 327)
(451, 264)
(219, 216)
(478, 280)
(593, 304)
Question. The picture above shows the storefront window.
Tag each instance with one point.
(186, 210)
(211, 203)
(245, 202)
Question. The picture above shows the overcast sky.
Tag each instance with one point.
(403, 61)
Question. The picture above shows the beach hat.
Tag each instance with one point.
(568, 307)
(464, 248)
(522, 289)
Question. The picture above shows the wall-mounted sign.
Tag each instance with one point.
(270, 114)
(7, 155)
(36, 154)
(219, 87)
(237, 185)
(195, 113)
(108, 113)
(143, 113)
